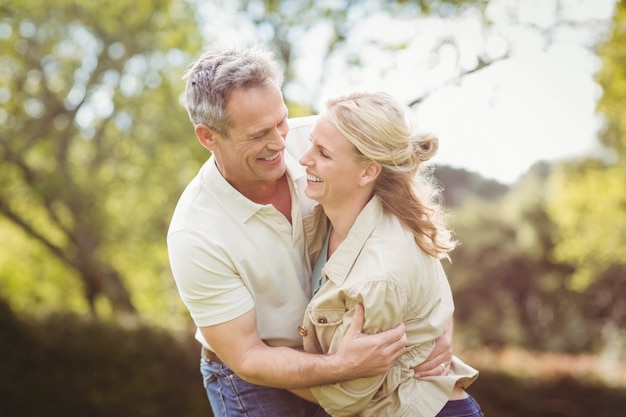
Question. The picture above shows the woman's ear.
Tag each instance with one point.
(370, 173)
(206, 136)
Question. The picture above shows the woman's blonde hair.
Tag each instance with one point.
(379, 128)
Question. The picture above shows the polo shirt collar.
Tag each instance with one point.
(241, 207)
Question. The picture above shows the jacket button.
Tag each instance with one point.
(302, 330)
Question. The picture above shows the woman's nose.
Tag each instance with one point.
(305, 160)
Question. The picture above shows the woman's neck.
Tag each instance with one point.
(342, 218)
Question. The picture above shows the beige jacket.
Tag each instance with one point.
(380, 265)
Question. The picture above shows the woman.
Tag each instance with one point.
(379, 240)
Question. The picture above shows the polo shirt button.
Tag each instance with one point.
(302, 330)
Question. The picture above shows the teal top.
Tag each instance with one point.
(316, 276)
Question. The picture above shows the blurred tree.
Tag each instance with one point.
(508, 289)
(459, 185)
(588, 197)
(93, 138)
(336, 37)
(428, 43)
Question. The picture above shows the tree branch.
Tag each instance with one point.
(480, 65)
(11, 215)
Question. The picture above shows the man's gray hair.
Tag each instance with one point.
(212, 78)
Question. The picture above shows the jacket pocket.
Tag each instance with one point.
(326, 317)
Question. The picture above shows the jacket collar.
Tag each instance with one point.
(341, 262)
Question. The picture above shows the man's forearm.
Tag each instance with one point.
(284, 367)
(358, 355)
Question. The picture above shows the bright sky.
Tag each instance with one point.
(536, 105)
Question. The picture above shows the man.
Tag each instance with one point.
(236, 246)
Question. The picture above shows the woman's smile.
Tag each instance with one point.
(313, 178)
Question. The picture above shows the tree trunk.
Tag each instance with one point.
(105, 281)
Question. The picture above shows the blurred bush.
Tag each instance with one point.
(503, 395)
(516, 382)
(68, 366)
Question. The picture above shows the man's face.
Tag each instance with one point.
(252, 150)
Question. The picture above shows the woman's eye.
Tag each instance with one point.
(320, 150)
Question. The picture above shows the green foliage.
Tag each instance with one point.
(30, 286)
(89, 163)
(589, 205)
(508, 290)
(512, 281)
(588, 198)
(612, 78)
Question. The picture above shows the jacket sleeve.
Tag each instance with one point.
(385, 304)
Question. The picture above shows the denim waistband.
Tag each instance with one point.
(465, 407)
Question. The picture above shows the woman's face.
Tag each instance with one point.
(333, 173)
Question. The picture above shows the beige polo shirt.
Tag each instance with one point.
(229, 255)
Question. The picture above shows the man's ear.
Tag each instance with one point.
(206, 136)
(370, 173)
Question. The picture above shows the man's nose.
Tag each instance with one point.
(276, 141)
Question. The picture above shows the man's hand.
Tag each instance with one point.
(361, 355)
(438, 363)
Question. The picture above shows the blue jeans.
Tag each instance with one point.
(467, 407)
(231, 396)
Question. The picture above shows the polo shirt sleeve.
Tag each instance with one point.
(385, 307)
(209, 286)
